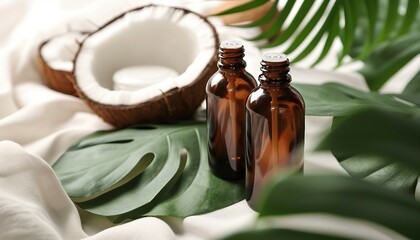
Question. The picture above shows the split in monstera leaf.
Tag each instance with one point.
(398, 126)
(153, 170)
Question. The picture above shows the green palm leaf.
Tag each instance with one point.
(264, 19)
(303, 11)
(333, 32)
(371, 16)
(361, 26)
(350, 9)
(308, 28)
(390, 22)
(409, 18)
(277, 25)
(317, 38)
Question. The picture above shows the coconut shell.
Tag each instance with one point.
(178, 103)
(57, 80)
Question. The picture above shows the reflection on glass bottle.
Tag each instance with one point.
(275, 127)
(227, 91)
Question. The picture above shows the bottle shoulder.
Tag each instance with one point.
(298, 96)
(219, 81)
(285, 96)
(250, 79)
(224, 75)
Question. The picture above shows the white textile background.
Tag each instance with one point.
(37, 125)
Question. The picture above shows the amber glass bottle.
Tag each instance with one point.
(275, 115)
(227, 91)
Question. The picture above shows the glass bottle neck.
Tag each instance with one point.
(275, 73)
(274, 84)
(231, 60)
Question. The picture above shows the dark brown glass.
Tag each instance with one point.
(227, 91)
(275, 129)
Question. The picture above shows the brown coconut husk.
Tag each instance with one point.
(178, 103)
(56, 79)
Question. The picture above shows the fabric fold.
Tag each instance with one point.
(32, 203)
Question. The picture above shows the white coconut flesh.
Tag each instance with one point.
(138, 77)
(148, 51)
(60, 51)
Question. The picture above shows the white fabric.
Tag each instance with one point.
(38, 124)
(32, 203)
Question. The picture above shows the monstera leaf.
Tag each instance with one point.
(339, 101)
(174, 178)
(387, 60)
(104, 161)
(342, 196)
(378, 145)
(333, 99)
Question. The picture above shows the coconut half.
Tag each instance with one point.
(149, 64)
(56, 56)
